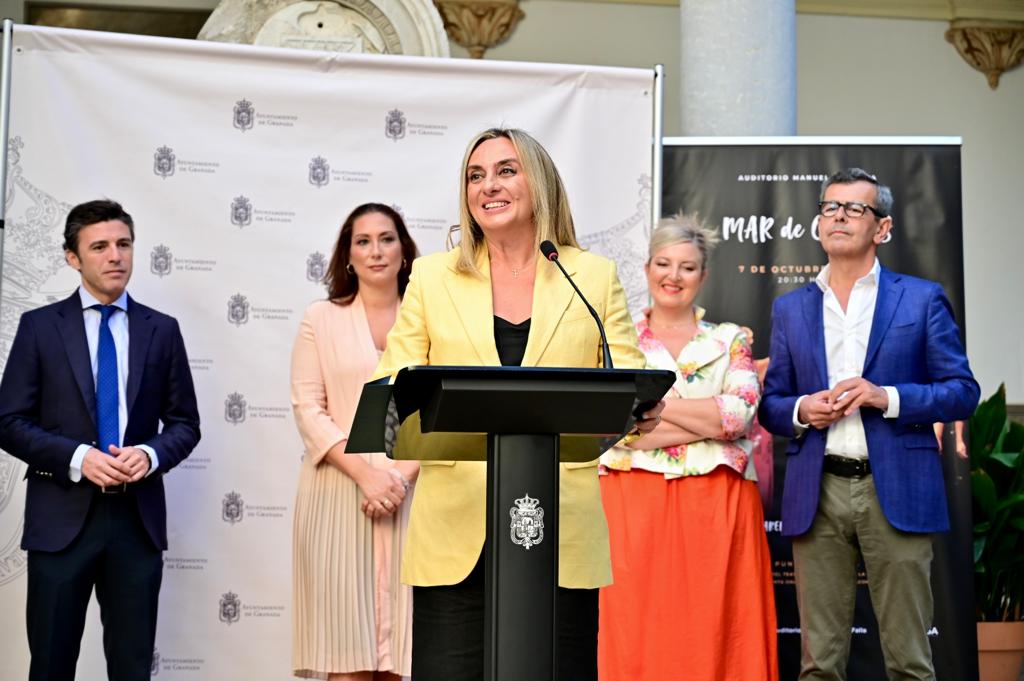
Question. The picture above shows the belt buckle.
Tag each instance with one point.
(114, 489)
(849, 467)
(860, 468)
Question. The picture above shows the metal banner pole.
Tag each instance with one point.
(5, 124)
(659, 126)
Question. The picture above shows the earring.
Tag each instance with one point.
(350, 269)
(403, 263)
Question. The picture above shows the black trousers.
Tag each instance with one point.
(448, 631)
(115, 555)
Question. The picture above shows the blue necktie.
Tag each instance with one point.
(106, 384)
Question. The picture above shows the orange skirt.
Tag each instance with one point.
(693, 597)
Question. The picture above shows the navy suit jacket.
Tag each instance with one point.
(48, 404)
(915, 346)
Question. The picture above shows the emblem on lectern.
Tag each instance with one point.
(527, 522)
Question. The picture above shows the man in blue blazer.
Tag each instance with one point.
(89, 381)
(863, 362)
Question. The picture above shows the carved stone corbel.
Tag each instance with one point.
(479, 24)
(991, 47)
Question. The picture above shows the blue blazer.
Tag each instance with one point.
(915, 346)
(48, 404)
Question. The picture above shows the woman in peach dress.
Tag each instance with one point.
(352, 618)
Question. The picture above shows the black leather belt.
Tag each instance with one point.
(115, 489)
(846, 467)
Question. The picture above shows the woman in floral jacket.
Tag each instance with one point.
(692, 596)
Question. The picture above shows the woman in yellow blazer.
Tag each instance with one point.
(493, 301)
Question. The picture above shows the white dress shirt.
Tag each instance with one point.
(846, 347)
(118, 324)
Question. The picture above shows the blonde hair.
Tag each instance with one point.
(684, 228)
(551, 214)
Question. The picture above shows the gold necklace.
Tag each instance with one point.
(517, 270)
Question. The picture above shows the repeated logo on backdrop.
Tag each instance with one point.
(245, 115)
(230, 608)
(244, 213)
(319, 172)
(233, 508)
(316, 267)
(394, 125)
(164, 162)
(161, 261)
(174, 664)
(235, 408)
(238, 309)
(241, 211)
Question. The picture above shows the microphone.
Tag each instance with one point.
(551, 253)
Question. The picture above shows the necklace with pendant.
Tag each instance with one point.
(517, 270)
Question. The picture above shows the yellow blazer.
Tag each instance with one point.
(447, 318)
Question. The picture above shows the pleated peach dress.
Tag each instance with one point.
(350, 611)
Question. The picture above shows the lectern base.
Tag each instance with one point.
(521, 558)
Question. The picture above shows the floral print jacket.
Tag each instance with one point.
(716, 363)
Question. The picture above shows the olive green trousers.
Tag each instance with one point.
(850, 524)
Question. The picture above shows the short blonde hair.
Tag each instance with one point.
(684, 228)
(551, 214)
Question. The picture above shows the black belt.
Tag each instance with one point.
(845, 467)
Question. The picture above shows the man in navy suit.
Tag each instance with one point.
(863, 362)
(88, 383)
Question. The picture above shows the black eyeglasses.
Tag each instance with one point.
(853, 209)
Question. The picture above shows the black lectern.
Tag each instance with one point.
(523, 421)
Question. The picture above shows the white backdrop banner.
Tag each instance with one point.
(238, 165)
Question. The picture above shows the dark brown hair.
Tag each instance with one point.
(91, 213)
(343, 285)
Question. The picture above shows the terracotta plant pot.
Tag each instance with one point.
(1000, 650)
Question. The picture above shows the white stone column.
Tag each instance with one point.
(738, 67)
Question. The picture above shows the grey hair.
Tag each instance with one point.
(850, 175)
(684, 228)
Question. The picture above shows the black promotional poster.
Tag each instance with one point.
(762, 196)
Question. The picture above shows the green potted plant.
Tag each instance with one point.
(997, 488)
